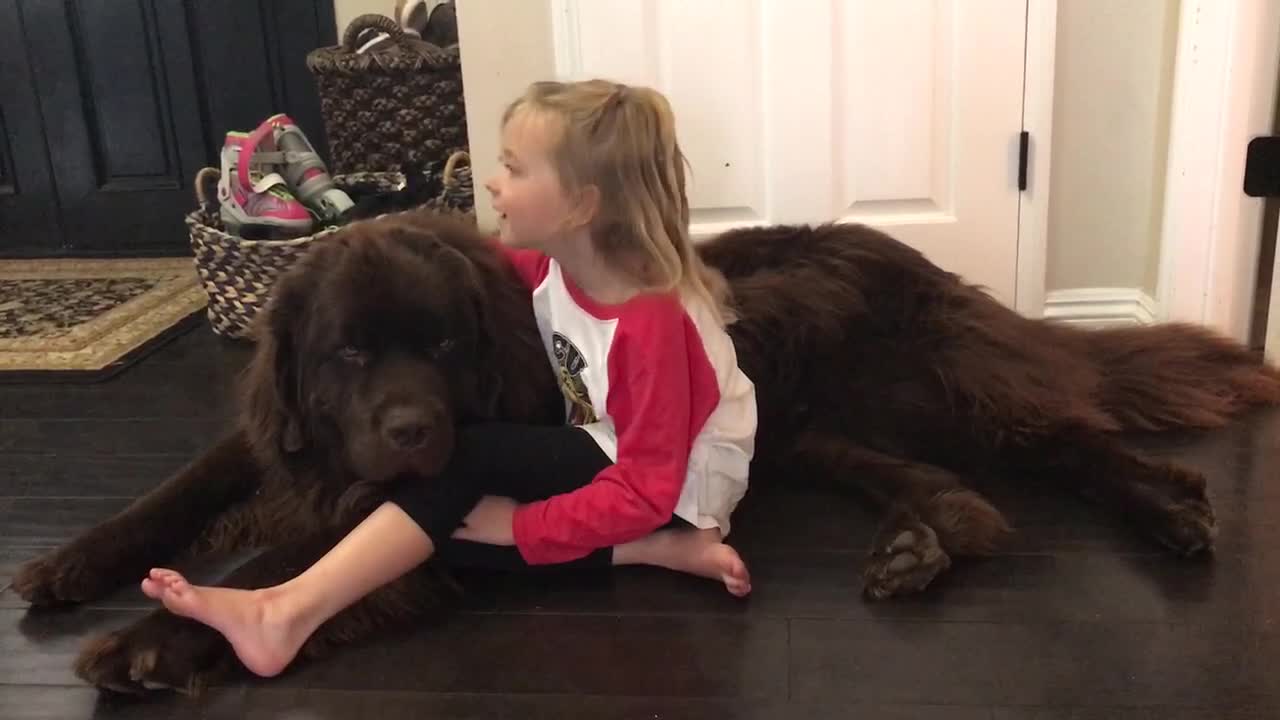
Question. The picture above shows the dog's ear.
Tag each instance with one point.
(509, 348)
(272, 412)
(482, 400)
(512, 353)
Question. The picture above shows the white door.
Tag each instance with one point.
(1271, 341)
(901, 114)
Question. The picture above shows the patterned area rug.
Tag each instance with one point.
(85, 320)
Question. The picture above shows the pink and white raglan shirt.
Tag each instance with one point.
(655, 381)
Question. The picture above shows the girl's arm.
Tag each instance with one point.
(530, 265)
(662, 388)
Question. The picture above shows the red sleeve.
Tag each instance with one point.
(530, 265)
(662, 389)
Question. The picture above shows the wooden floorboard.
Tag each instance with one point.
(1078, 618)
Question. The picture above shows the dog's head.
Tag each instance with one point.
(383, 337)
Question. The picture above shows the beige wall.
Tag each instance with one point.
(1112, 91)
(502, 57)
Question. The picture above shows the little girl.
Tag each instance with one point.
(594, 216)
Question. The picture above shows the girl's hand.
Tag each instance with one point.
(489, 522)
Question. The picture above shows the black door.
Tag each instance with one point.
(28, 209)
(132, 97)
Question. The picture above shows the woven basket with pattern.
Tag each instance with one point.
(397, 107)
(238, 274)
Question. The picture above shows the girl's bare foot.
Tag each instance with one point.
(265, 635)
(725, 562)
(697, 552)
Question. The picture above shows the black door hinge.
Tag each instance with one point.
(1024, 140)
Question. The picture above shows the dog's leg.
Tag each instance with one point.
(150, 531)
(425, 589)
(162, 651)
(1167, 501)
(932, 515)
(165, 651)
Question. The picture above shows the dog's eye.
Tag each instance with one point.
(440, 347)
(353, 355)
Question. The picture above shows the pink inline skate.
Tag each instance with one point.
(256, 205)
(290, 154)
(274, 184)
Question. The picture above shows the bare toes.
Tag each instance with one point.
(152, 588)
(182, 599)
(162, 574)
(159, 580)
(736, 576)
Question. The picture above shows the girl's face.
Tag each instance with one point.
(533, 208)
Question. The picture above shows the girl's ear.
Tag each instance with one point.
(586, 206)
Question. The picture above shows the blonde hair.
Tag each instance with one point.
(622, 140)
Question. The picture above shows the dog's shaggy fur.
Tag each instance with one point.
(875, 370)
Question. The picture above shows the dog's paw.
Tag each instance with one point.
(1187, 527)
(1183, 519)
(57, 578)
(904, 559)
(160, 652)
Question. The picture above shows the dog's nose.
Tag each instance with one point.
(406, 428)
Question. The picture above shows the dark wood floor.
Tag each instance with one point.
(1077, 619)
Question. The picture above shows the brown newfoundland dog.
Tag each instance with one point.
(875, 369)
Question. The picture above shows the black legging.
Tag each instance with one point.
(522, 462)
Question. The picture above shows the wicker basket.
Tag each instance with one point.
(458, 192)
(238, 274)
(397, 107)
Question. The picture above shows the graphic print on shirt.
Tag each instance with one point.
(570, 364)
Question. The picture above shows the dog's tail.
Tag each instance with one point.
(1177, 376)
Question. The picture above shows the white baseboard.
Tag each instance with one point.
(1100, 306)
